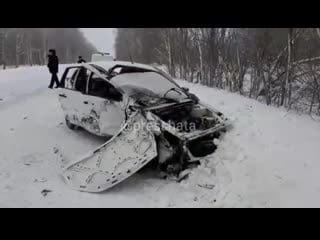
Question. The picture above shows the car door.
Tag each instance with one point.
(128, 151)
(106, 113)
(72, 94)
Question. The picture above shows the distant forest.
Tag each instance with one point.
(29, 46)
(279, 66)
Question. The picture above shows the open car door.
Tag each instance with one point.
(126, 153)
(69, 97)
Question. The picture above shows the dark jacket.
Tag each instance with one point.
(81, 61)
(53, 64)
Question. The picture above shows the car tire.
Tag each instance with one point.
(70, 125)
(202, 149)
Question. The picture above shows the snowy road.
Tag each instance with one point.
(268, 159)
(21, 83)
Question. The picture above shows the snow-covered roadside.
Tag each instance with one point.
(268, 159)
(272, 157)
(19, 83)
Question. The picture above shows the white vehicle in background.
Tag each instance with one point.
(102, 57)
(149, 116)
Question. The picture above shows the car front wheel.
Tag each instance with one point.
(70, 125)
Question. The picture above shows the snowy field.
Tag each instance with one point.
(270, 158)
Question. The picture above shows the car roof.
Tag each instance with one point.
(110, 64)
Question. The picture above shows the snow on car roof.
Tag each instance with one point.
(110, 64)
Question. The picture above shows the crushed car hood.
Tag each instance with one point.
(145, 97)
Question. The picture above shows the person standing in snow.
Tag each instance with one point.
(53, 65)
(81, 60)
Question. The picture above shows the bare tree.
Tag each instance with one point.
(29, 46)
(269, 64)
(2, 47)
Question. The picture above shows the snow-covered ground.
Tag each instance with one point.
(20, 83)
(269, 158)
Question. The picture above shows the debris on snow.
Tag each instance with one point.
(41, 180)
(45, 192)
(55, 150)
(207, 186)
(30, 159)
(60, 159)
(184, 175)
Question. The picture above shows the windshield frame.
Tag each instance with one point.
(100, 69)
(109, 76)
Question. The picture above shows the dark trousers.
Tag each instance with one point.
(54, 80)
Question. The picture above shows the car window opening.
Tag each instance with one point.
(100, 88)
(91, 84)
(81, 82)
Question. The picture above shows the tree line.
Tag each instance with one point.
(29, 46)
(279, 66)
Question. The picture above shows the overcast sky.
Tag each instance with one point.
(102, 38)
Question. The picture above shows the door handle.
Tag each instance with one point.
(85, 102)
(62, 95)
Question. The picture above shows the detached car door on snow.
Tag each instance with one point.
(126, 153)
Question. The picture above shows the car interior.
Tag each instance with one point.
(99, 87)
(81, 83)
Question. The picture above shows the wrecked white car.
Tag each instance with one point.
(151, 121)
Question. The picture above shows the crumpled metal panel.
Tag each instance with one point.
(126, 153)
